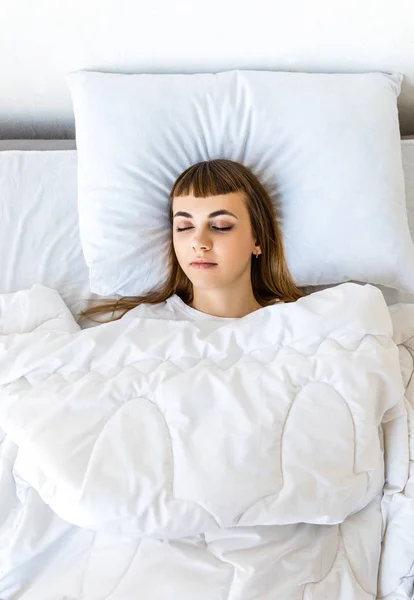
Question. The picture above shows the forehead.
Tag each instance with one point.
(235, 202)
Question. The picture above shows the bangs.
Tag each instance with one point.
(208, 178)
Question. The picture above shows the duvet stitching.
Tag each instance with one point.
(332, 565)
(125, 571)
(350, 565)
(173, 469)
(225, 562)
(275, 495)
(277, 349)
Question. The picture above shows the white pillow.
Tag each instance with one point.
(326, 147)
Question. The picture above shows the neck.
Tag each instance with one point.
(224, 303)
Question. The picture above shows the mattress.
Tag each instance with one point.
(39, 234)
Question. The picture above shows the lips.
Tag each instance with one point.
(203, 265)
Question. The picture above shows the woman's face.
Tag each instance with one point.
(217, 229)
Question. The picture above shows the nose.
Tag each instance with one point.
(201, 242)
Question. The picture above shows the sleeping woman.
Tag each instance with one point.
(226, 257)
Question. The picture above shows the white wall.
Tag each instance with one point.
(42, 40)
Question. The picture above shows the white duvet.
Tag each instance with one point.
(268, 457)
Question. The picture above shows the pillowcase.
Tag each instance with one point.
(325, 146)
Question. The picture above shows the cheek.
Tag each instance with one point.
(235, 249)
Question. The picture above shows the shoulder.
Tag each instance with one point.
(168, 309)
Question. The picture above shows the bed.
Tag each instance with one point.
(53, 559)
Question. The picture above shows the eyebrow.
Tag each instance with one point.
(210, 216)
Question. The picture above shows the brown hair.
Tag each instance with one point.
(271, 280)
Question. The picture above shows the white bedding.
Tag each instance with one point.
(39, 233)
(158, 459)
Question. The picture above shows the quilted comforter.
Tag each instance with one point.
(148, 458)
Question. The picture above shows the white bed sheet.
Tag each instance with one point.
(39, 234)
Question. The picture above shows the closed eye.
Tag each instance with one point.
(213, 227)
